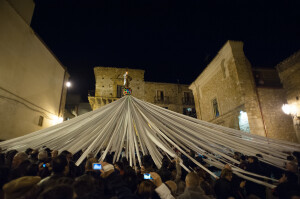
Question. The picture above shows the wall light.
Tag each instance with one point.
(289, 109)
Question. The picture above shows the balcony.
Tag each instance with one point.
(188, 101)
(97, 102)
(161, 100)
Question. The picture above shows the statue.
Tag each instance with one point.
(127, 80)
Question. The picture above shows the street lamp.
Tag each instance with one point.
(68, 84)
(289, 109)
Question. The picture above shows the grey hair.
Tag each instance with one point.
(43, 155)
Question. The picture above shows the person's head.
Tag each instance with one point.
(291, 177)
(43, 156)
(165, 163)
(119, 166)
(172, 186)
(32, 170)
(192, 180)
(146, 189)
(54, 153)
(252, 159)
(84, 185)
(60, 165)
(67, 154)
(291, 166)
(109, 158)
(227, 174)
(18, 159)
(60, 191)
(147, 161)
(125, 161)
(28, 151)
(89, 164)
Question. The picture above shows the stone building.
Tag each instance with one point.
(32, 80)
(110, 81)
(230, 93)
(289, 73)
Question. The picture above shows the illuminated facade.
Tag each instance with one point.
(110, 84)
(32, 80)
(231, 93)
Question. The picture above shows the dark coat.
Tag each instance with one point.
(223, 189)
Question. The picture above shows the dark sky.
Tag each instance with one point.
(172, 40)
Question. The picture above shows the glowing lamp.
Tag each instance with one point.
(68, 84)
(289, 109)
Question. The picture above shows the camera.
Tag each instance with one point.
(97, 166)
(147, 176)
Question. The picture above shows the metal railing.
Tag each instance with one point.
(161, 100)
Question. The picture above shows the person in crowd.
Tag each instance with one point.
(19, 164)
(192, 188)
(288, 186)
(60, 191)
(164, 172)
(251, 187)
(223, 186)
(21, 187)
(161, 188)
(146, 190)
(60, 169)
(54, 153)
(28, 151)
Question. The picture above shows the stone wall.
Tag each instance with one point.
(278, 124)
(32, 80)
(228, 79)
(108, 79)
(289, 73)
(219, 81)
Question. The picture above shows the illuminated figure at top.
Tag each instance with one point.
(127, 80)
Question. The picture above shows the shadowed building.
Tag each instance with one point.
(230, 93)
(110, 84)
(32, 80)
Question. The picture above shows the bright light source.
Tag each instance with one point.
(68, 84)
(60, 119)
(289, 109)
(57, 120)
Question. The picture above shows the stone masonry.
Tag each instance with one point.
(110, 80)
(228, 84)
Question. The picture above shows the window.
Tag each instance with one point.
(120, 89)
(190, 112)
(215, 108)
(243, 122)
(41, 120)
(160, 95)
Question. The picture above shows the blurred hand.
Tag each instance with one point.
(243, 183)
(227, 166)
(156, 179)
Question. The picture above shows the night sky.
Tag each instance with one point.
(172, 40)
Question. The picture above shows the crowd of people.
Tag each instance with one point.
(48, 174)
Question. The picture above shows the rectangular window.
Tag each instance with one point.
(187, 95)
(120, 89)
(216, 108)
(41, 120)
(160, 95)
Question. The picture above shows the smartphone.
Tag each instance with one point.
(147, 176)
(97, 166)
